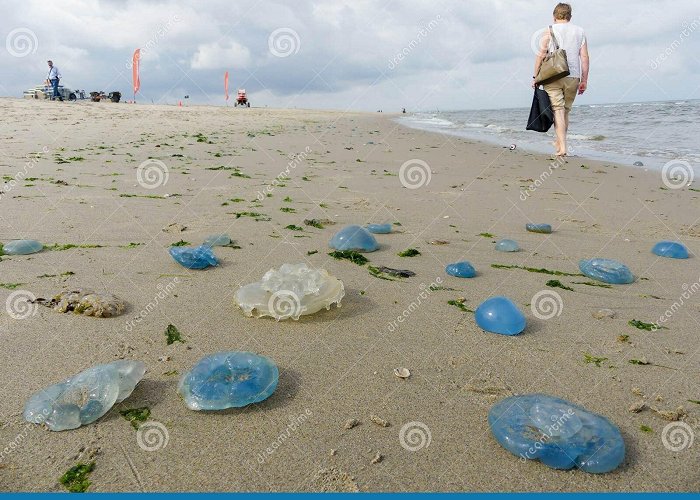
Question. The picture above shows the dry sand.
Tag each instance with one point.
(336, 365)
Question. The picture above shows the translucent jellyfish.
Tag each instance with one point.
(670, 249)
(217, 240)
(606, 270)
(85, 397)
(538, 228)
(290, 292)
(556, 432)
(461, 270)
(22, 247)
(379, 228)
(354, 238)
(228, 380)
(199, 257)
(87, 303)
(500, 315)
(507, 246)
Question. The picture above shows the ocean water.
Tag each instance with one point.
(653, 133)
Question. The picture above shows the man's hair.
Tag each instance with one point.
(49, 61)
(562, 11)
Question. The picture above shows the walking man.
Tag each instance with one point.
(53, 78)
(562, 92)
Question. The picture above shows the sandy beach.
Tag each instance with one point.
(70, 176)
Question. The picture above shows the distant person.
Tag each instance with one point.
(562, 92)
(403, 111)
(53, 78)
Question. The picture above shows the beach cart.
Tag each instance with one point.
(242, 99)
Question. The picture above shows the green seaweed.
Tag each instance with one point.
(311, 252)
(535, 270)
(254, 215)
(287, 199)
(313, 223)
(288, 210)
(181, 243)
(351, 255)
(76, 479)
(131, 245)
(409, 252)
(374, 271)
(646, 428)
(588, 358)
(136, 415)
(171, 373)
(172, 335)
(67, 273)
(638, 362)
(293, 227)
(57, 247)
(650, 327)
(558, 284)
(694, 401)
(10, 286)
(486, 235)
(591, 283)
(459, 304)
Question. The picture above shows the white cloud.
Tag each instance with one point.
(218, 55)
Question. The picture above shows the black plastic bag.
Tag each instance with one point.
(541, 116)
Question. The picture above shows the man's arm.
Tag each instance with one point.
(544, 44)
(585, 64)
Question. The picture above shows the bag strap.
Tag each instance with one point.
(551, 33)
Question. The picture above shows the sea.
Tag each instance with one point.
(651, 133)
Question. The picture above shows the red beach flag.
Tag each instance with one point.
(135, 69)
(226, 85)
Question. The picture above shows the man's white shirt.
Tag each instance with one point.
(53, 73)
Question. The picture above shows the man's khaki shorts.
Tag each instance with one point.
(562, 92)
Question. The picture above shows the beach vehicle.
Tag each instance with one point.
(45, 92)
(242, 99)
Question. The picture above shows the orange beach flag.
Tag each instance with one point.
(135, 69)
(226, 85)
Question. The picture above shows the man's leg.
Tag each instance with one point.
(560, 125)
(54, 84)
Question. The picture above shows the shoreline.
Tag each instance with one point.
(337, 365)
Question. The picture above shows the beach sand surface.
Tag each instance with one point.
(82, 189)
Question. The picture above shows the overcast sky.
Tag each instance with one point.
(455, 54)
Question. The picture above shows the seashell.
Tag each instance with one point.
(402, 372)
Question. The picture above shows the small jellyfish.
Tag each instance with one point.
(199, 257)
(606, 270)
(379, 228)
(85, 397)
(22, 247)
(500, 315)
(461, 270)
(538, 228)
(670, 249)
(556, 432)
(217, 240)
(507, 246)
(231, 379)
(354, 238)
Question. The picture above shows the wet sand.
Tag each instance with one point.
(337, 365)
